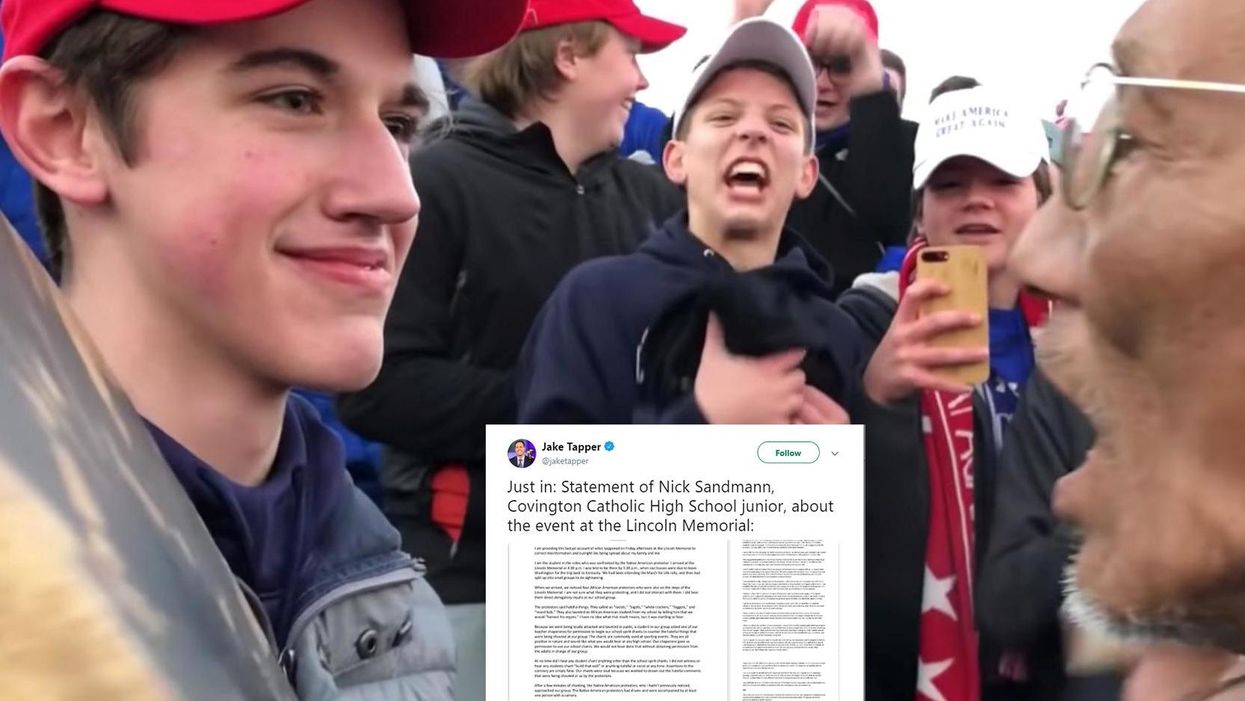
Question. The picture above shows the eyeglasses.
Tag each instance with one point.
(837, 66)
(1088, 156)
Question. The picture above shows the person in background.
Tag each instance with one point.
(524, 184)
(862, 202)
(648, 128)
(646, 134)
(978, 182)
(952, 83)
(893, 258)
(723, 272)
(897, 71)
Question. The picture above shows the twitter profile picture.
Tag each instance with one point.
(522, 453)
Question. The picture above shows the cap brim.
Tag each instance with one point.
(1017, 166)
(438, 28)
(654, 34)
(462, 28)
(760, 39)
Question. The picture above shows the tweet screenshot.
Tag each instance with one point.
(688, 562)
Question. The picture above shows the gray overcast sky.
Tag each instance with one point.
(1040, 48)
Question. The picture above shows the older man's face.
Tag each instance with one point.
(1152, 341)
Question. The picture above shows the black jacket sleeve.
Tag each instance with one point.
(575, 371)
(878, 173)
(1019, 583)
(557, 381)
(425, 400)
(896, 519)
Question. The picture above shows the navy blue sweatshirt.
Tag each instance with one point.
(579, 364)
(270, 534)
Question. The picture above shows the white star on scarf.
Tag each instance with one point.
(925, 677)
(934, 596)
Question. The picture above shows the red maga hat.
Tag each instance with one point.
(440, 28)
(623, 15)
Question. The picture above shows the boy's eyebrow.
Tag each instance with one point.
(414, 97)
(736, 102)
(308, 60)
(783, 107)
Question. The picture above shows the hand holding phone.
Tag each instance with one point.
(963, 270)
(938, 339)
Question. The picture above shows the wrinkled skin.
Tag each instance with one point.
(1151, 342)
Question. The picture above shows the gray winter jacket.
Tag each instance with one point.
(349, 615)
(382, 636)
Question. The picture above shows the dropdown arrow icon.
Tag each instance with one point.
(834, 453)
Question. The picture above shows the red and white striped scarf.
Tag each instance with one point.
(948, 658)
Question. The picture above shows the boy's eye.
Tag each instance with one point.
(298, 101)
(403, 127)
(945, 184)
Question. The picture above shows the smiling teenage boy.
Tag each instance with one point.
(225, 187)
(742, 148)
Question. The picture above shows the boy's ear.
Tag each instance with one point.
(566, 59)
(672, 161)
(50, 130)
(808, 177)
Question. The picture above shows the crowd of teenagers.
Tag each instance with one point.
(318, 272)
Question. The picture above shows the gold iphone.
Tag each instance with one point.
(963, 269)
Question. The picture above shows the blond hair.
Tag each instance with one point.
(512, 77)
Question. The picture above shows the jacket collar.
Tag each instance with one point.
(675, 243)
(532, 147)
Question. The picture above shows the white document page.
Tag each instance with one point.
(675, 562)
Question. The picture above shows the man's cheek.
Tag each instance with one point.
(206, 263)
(225, 240)
(1114, 303)
(1130, 544)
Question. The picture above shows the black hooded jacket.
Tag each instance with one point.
(1020, 550)
(621, 339)
(863, 198)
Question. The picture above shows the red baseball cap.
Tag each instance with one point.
(860, 7)
(440, 28)
(623, 15)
